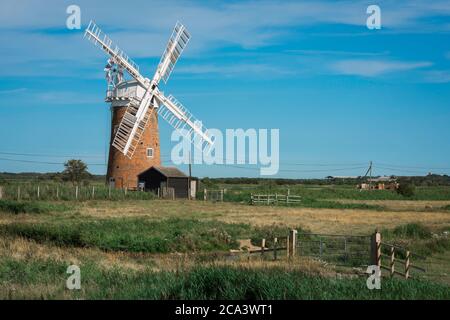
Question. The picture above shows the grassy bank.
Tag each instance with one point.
(141, 235)
(46, 280)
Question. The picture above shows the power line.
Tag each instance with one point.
(48, 155)
(46, 162)
(414, 167)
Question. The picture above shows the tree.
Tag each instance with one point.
(75, 171)
(406, 189)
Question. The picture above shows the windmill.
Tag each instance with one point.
(135, 105)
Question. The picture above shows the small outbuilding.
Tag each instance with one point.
(165, 181)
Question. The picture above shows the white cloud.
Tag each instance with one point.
(437, 76)
(234, 70)
(373, 68)
(12, 91)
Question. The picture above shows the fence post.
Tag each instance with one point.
(392, 261)
(57, 192)
(76, 192)
(376, 249)
(93, 192)
(275, 243)
(1, 192)
(204, 194)
(407, 264)
(263, 245)
(291, 243)
(38, 192)
(18, 193)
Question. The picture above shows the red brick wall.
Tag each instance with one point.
(125, 170)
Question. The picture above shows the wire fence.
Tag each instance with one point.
(68, 192)
(346, 250)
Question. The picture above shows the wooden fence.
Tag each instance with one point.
(394, 257)
(343, 249)
(274, 199)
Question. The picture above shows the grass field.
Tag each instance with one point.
(179, 249)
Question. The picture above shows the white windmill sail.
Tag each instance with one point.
(177, 42)
(94, 34)
(171, 110)
(139, 112)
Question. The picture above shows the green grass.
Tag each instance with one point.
(140, 235)
(17, 207)
(239, 193)
(199, 283)
(417, 238)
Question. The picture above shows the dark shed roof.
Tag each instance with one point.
(169, 172)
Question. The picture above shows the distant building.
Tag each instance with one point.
(168, 182)
(380, 183)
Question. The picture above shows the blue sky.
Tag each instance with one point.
(340, 94)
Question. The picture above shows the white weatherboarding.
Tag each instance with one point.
(138, 113)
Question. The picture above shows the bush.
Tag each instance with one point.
(412, 231)
(17, 207)
(406, 189)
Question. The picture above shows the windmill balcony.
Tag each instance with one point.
(127, 90)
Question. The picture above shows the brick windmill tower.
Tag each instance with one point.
(123, 171)
(135, 106)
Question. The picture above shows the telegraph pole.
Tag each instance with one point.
(190, 175)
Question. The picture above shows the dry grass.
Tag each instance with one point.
(317, 220)
(401, 205)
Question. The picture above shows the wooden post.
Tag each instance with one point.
(288, 241)
(376, 249)
(392, 261)
(18, 193)
(276, 198)
(1, 192)
(292, 240)
(204, 194)
(76, 192)
(275, 244)
(57, 192)
(407, 264)
(126, 190)
(93, 192)
(38, 192)
(263, 245)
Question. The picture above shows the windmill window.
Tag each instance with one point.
(149, 152)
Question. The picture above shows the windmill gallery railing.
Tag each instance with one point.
(341, 250)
